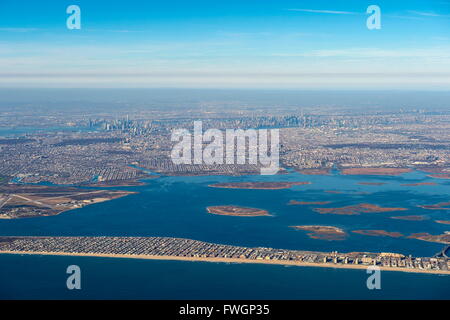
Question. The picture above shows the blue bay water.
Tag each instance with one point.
(176, 207)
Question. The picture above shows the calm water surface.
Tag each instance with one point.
(176, 207)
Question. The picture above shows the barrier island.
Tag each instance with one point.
(163, 248)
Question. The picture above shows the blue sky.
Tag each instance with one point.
(226, 44)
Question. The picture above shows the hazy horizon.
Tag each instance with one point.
(234, 44)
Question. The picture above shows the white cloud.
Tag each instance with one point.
(370, 53)
(428, 13)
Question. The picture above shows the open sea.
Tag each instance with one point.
(176, 207)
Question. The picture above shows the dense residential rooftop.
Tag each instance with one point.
(106, 147)
(167, 248)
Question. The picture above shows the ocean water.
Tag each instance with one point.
(176, 207)
(39, 277)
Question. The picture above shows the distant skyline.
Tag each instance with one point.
(227, 44)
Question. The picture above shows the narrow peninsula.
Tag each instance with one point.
(26, 201)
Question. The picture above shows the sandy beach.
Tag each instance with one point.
(227, 260)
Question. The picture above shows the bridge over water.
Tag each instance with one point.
(445, 252)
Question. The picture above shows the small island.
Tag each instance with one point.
(437, 206)
(440, 238)
(258, 185)
(357, 209)
(419, 184)
(379, 233)
(437, 172)
(237, 211)
(442, 221)
(323, 232)
(314, 172)
(410, 218)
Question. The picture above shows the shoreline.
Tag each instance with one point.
(226, 260)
